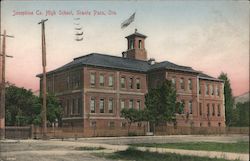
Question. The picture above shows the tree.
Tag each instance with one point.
(161, 105)
(132, 116)
(21, 106)
(54, 109)
(229, 101)
(24, 108)
(243, 113)
(53, 112)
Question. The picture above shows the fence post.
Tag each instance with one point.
(31, 131)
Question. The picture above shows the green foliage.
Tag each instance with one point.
(86, 148)
(24, 108)
(238, 147)
(21, 106)
(54, 109)
(137, 155)
(161, 105)
(132, 116)
(241, 115)
(229, 101)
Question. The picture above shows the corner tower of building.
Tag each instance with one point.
(136, 47)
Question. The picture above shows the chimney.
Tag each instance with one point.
(151, 61)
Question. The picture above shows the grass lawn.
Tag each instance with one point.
(132, 154)
(239, 147)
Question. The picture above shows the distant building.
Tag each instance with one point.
(94, 88)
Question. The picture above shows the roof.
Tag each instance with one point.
(136, 34)
(207, 77)
(115, 62)
(171, 66)
(107, 61)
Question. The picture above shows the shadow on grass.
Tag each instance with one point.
(136, 155)
(89, 148)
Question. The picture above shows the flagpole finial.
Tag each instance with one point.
(135, 30)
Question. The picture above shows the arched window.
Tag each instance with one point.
(140, 44)
(131, 44)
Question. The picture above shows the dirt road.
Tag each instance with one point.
(58, 150)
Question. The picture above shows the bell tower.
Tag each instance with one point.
(136, 47)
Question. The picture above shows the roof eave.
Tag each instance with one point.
(212, 79)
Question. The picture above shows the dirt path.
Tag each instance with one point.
(57, 150)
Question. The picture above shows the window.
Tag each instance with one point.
(138, 86)
(111, 124)
(182, 83)
(173, 82)
(93, 124)
(111, 81)
(74, 106)
(183, 105)
(67, 83)
(140, 44)
(123, 82)
(110, 105)
(122, 104)
(199, 88)
(208, 109)
(138, 104)
(190, 84)
(218, 109)
(92, 79)
(213, 109)
(92, 105)
(131, 103)
(79, 105)
(131, 83)
(68, 108)
(207, 89)
(123, 124)
(101, 80)
(131, 44)
(190, 107)
(200, 108)
(101, 105)
(219, 91)
(71, 108)
(211, 89)
(219, 124)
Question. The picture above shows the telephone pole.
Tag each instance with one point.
(2, 105)
(44, 90)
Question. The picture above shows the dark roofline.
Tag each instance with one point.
(108, 56)
(173, 69)
(207, 77)
(211, 79)
(94, 65)
(75, 63)
(136, 34)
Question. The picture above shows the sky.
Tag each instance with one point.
(209, 36)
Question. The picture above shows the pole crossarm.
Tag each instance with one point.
(42, 21)
(8, 36)
(9, 56)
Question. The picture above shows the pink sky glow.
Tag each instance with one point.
(209, 36)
